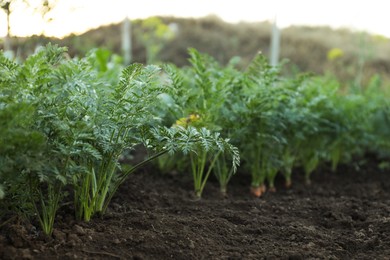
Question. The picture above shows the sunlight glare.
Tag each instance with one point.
(78, 16)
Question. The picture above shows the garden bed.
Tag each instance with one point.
(341, 215)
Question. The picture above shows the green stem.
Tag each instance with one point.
(108, 173)
(209, 171)
(271, 175)
(193, 170)
(222, 174)
(47, 211)
(125, 175)
(198, 166)
(257, 173)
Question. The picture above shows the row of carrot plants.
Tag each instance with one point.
(278, 123)
(67, 122)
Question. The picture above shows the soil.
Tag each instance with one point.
(343, 215)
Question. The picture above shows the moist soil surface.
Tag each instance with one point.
(342, 215)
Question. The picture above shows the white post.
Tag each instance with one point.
(126, 41)
(275, 45)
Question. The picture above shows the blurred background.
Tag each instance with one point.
(343, 39)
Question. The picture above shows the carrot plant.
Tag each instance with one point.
(376, 126)
(200, 93)
(31, 177)
(332, 127)
(210, 147)
(204, 148)
(380, 123)
(123, 121)
(262, 126)
(223, 172)
(20, 153)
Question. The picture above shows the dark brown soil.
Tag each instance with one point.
(344, 215)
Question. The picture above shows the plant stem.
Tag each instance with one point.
(124, 177)
(48, 208)
(209, 171)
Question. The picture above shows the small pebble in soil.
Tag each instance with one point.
(79, 230)
(310, 245)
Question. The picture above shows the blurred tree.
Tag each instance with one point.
(6, 6)
(43, 7)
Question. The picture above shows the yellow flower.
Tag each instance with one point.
(181, 122)
(185, 121)
(334, 53)
(194, 117)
